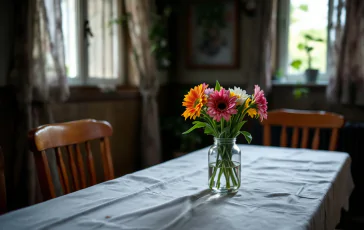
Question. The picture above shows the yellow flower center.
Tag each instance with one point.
(232, 94)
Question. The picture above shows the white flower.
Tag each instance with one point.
(240, 94)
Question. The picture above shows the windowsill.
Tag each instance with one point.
(96, 94)
(297, 83)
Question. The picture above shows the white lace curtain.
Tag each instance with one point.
(259, 69)
(139, 26)
(38, 75)
(346, 85)
(49, 71)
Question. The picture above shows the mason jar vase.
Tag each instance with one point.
(224, 158)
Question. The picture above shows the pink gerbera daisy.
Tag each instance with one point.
(221, 105)
(261, 102)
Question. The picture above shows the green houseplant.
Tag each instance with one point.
(299, 91)
(180, 144)
(158, 35)
(307, 46)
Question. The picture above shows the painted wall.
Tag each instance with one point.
(281, 97)
(122, 115)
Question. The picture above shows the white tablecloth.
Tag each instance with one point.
(281, 189)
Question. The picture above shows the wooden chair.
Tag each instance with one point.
(70, 135)
(304, 120)
(2, 184)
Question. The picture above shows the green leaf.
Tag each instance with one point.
(301, 46)
(196, 126)
(217, 86)
(247, 135)
(279, 73)
(241, 108)
(238, 127)
(211, 130)
(225, 130)
(154, 48)
(309, 37)
(208, 130)
(309, 48)
(199, 123)
(304, 7)
(296, 64)
(241, 124)
(300, 92)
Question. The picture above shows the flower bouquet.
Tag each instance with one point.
(222, 113)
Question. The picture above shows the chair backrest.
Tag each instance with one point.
(70, 135)
(2, 184)
(305, 120)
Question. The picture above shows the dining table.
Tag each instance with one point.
(281, 188)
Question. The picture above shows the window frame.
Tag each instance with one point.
(83, 78)
(283, 19)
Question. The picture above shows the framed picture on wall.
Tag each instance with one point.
(213, 35)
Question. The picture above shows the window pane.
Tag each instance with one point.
(103, 45)
(69, 25)
(308, 17)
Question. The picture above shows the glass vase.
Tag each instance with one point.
(224, 166)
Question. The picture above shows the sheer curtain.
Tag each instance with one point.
(346, 85)
(139, 26)
(261, 37)
(38, 76)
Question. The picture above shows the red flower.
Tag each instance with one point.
(221, 105)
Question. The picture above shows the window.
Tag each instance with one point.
(298, 19)
(92, 45)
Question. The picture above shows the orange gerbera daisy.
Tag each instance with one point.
(194, 101)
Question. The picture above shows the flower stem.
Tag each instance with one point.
(226, 174)
(222, 125)
(233, 172)
(215, 170)
(224, 166)
(219, 177)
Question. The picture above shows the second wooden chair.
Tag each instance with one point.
(305, 120)
(70, 135)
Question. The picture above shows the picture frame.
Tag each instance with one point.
(213, 35)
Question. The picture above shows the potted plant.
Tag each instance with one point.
(310, 73)
(158, 35)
